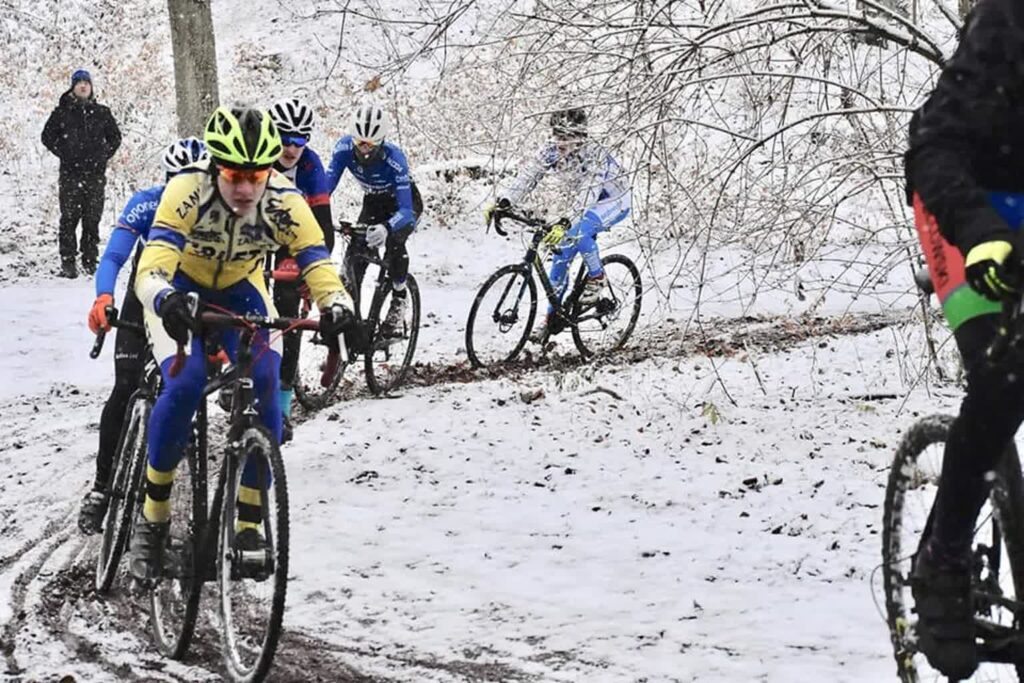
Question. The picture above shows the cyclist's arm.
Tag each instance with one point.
(297, 229)
(119, 249)
(528, 177)
(318, 194)
(948, 142)
(340, 160)
(404, 216)
(134, 222)
(175, 216)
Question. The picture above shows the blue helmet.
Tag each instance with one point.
(182, 153)
(80, 75)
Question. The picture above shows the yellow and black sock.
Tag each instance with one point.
(158, 495)
(249, 515)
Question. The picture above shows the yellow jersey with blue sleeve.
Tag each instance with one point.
(196, 232)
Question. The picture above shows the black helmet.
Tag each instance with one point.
(569, 123)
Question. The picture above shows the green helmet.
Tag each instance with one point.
(242, 137)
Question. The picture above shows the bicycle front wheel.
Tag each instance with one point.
(124, 491)
(606, 325)
(174, 598)
(501, 316)
(910, 494)
(252, 577)
(310, 390)
(389, 357)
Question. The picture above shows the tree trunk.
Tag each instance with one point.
(195, 63)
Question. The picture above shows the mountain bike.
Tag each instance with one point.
(201, 543)
(497, 331)
(127, 480)
(387, 355)
(997, 577)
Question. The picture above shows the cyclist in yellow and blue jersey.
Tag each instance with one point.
(216, 222)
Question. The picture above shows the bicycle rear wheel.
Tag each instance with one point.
(605, 326)
(174, 598)
(124, 492)
(388, 359)
(913, 481)
(253, 583)
(501, 316)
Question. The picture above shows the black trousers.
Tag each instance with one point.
(990, 415)
(129, 360)
(286, 301)
(81, 199)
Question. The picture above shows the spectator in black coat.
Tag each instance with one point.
(83, 134)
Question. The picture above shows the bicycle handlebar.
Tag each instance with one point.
(347, 229)
(525, 219)
(113, 321)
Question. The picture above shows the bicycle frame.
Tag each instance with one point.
(532, 261)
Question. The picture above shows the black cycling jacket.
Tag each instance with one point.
(968, 137)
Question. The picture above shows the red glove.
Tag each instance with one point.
(98, 314)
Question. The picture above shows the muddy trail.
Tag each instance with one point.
(55, 615)
(716, 338)
(107, 637)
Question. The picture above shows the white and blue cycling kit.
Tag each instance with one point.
(601, 197)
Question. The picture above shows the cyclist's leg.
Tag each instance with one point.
(250, 296)
(129, 359)
(990, 414)
(286, 300)
(355, 268)
(397, 256)
(602, 216)
(170, 425)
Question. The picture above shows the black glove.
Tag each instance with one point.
(335, 320)
(987, 272)
(176, 316)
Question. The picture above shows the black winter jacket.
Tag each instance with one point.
(82, 133)
(968, 137)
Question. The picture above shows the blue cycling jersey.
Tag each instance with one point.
(309, 176)
(387, 175)
(133, 223)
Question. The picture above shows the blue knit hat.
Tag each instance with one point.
(80, 75)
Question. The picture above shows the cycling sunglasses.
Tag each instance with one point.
(235, 176)
(294, 140)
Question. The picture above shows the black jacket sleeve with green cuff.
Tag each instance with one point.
(968, 137)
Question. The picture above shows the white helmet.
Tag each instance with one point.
(293, 117)
(182, 153)
(369, 124)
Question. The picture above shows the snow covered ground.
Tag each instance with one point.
(675, 518)
(705, 507)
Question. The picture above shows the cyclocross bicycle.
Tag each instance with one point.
(505, 308)
(387, 355)
(251, 583)
(997, 579)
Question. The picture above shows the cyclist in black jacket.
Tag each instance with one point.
(965, 170)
